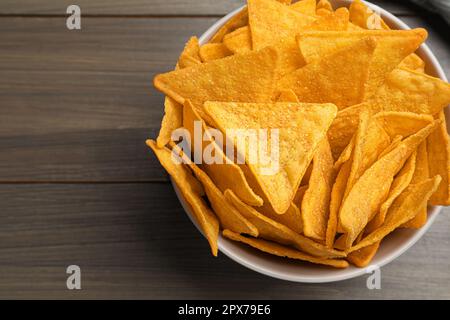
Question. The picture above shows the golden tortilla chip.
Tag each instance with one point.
(246, 77)
(272, 22)
(214, 51)
(439, 161)
(281, 251)
(337, 194)
(305, 6)
(400, 183)
(331, 21)
(364, 17)
(324, 4)
(287, 96)
(190, 55)
(402, 210)
(421, 173)
(343, 128)
(172, 120)
(239, 41)
(406, 90)
(394, 144)
(236, 22)
(355, 211)
(413, 62)
(370, 141)
(397, 123)
(206, 219)
(316, 200)
(362, 257)
(281, 176)
(339, 78)
(269, 229)
(392, 47)
(225, 174)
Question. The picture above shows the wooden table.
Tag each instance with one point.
(78, 186)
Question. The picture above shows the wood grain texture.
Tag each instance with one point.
(151, 7)
(135, 241)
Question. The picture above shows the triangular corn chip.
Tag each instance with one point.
(282, 251)
(406, 90)
(362, 257)
(392, 47)
(274, 231)
(272, 22)
(339, 78)
(246, 77)
(190, 55)
(397, 123)
(400, 183)
(305, 6)
(287, 96)
(421, 173)
(213, 51)
(183, 178)
(438, 147)
(414, 63)
(330, 21)
(236, 22)
(226, 174)
(316, 200)
(364, 17)
(402, 210)
(172, 120)
(354, 213)
(324, 5)
(239, 41)
(300, 128)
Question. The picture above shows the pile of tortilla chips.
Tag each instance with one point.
(363, 145)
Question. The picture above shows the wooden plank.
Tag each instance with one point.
(151, 7)
(135, 241)
(79, 105)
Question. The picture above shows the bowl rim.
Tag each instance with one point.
(226, 246)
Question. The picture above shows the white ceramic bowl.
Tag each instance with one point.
(392, 246)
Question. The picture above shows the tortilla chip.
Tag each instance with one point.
(206, 219)
(299, 195)
(364, 17)
(339, 78)
(439, 161)
(296, 149)
(421, 173)
(236, 22)
(214, 51)
(246, 77)
(400, 183)
(287, 96)
(331, 21)
(362, 257)
(274, 24)
(392, 47)
(343, 128)
(239, 41)
(324, 4)
(402, 210)
(316, 201)
(345, 155)
(406, 90)
(269, 229)
(305, 6)
(397, 123)
(394, 144)
(172, 120)
(281, 251)
(226, 174)
(356, 212)
(337, 194)
(413, 62)
(190, 55)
